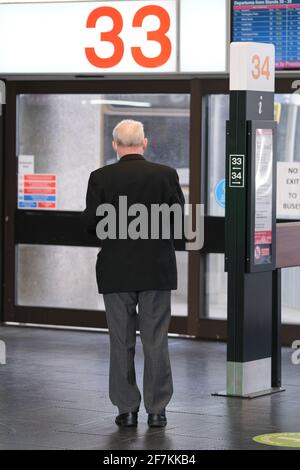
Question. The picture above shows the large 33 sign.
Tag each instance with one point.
(112, 36)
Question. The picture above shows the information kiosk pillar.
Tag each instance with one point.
(250, 238)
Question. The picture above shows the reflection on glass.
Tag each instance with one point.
(288, 117)
(57, 276)
(290, 295)
(64, 277)
(70, 135)
(179, 296)
(217, 115)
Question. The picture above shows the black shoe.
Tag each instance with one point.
(157, 420)
(127, 420)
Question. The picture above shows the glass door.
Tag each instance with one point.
(60, 138)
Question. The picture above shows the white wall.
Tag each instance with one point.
(202, 30)
(203, 35)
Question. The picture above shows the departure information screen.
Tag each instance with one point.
(271, 21)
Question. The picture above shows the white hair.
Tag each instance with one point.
(129, 133)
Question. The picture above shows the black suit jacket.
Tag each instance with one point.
(133, 265)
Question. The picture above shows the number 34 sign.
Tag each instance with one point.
(128, 36)
(252, 66)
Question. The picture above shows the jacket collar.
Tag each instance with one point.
(131, 156)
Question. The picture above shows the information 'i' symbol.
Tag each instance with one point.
(260, 105)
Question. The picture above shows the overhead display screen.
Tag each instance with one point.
(271, 21)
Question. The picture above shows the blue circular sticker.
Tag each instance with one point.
(220, 193)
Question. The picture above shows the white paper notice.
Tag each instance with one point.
(25, 164)
(288, 190)
(263, 196)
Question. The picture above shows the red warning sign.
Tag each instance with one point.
(39, 177)
(39, 184)
(47, 205)
(263, 236)
(37, 191)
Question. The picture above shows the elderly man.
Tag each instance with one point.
(135, 273)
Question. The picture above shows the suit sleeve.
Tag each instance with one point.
(177, 197)
(94, 197)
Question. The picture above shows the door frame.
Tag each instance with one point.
(214, 230)
(2, 120)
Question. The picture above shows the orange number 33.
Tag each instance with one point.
(159, 36)
(113, 36)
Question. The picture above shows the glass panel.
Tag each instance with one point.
(70, 136)
(179, 297)
(217, 115)
(290, 295)
(287, 113)
(216, 291)
(64, 277)
(216, 287)
(63, 135)
(57, 276)
(287, 110)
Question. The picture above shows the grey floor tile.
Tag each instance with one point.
(54, 395)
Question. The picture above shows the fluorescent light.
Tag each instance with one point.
(136, 104)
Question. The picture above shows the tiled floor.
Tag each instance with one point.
(54, 395)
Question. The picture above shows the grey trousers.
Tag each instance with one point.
(154, 312)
